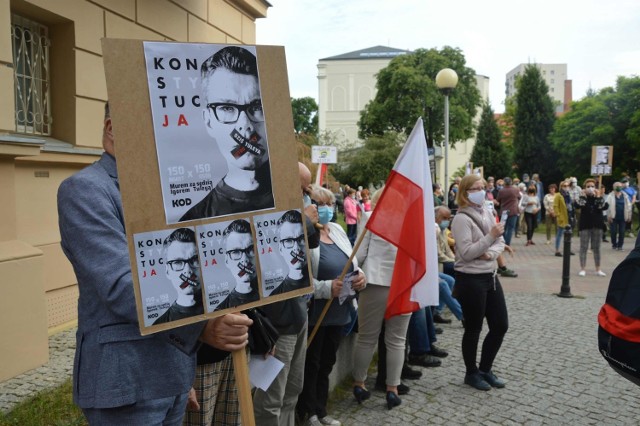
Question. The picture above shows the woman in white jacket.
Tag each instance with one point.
(377, 258)
(618, 214)
(327, 262)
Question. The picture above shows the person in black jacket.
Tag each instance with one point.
(591, 204)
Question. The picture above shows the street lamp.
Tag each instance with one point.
(446, 80)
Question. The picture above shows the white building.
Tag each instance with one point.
(555, 75)
(347, 82)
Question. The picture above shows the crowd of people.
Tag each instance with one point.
(116, 381)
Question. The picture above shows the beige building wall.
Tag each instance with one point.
(38, 289)
(555, 75)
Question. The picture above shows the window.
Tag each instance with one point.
(552, 90)
(553, 81)
(31, 76)
(552, 72)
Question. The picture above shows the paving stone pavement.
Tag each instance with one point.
(549, 359)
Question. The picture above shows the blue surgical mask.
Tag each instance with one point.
(306, 200)
(325, 214)
(444, 224)
(454, 190)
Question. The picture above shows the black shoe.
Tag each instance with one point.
(424, 360)
(437, 352)
(361, 394)
(605, 240)
(572, 253)
(492, 379)
(438, 330)
(558, 254)
(402, 388)
(475, 380)
(393, 400)
(438, 319)
(409, 373)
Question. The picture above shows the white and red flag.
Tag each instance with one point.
(404, 216)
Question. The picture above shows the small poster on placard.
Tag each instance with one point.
(601, 160)
(209, 126)
(282, 252)
(229, 267)
(169, 274)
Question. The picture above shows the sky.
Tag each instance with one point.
(598, 40)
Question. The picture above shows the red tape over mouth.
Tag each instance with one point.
(245, 145)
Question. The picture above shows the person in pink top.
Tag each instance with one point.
(351, 208)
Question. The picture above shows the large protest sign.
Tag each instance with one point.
(203, 137)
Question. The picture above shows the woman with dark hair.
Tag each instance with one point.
(591, 204)
(479, 242)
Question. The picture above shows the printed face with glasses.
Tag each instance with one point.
(239, 257)
(183, 267)
(292, 248)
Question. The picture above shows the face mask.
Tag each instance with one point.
(626, 184)
(325, 214)
(590, 191)
(618, 189)
(500, 187)
(477, 197)
(444, 224)
(454, 190)
(306, 200)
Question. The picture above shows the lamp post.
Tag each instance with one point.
(446, 80)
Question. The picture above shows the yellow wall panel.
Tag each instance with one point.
(7, 107)
(58, 272)
(200, 31)
(126, 8)
(5, 29)
(225, 17)
(163, 17)
(90, 80)
(196, 7)
(89, 122)
(117, 27)
(248, 30)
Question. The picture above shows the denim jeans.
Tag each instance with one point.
(510, 228)
(446, 287)
(617, 232)
(422, 331)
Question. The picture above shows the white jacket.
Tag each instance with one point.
(377, 257)
(611, 211)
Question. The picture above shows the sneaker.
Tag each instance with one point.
(439, 330)
(424, 360)
(601, 274)
(438, 319)
(506, 272)
(438, 352)
(477, 381)
(491, 378)
(582, 273)
(558, 254)
(328, 420)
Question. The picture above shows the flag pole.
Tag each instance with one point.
(341, 277)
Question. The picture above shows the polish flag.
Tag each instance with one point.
(404, 217)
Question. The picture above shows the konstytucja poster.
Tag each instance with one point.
(210, 132)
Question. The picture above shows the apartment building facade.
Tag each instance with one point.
(52, 77)
(555, 75)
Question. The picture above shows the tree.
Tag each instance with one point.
(305, 116)
(372, 163)
(406, 90)
(533, 120)
(489, 152)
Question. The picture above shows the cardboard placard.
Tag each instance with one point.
(178, 133)
(601, 160)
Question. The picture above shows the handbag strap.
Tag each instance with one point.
(478, 224)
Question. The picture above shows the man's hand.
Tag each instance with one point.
(311, 211)
(229, 332)
(192, 401)
(336, 287)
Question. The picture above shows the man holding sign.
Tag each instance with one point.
(234, 118)
(119, 376)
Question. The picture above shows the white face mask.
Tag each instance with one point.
(476, 197)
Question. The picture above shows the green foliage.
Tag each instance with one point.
(534, 118)
(51, 407)
(305, 115)
(609, 117)
(489, 152)
(372, 163)
(406, 90)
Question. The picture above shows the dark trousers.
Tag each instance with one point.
(481, 296)
(321, 356)
(530, 220)
(352, 233)
(617, 232)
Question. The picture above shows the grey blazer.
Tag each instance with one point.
(114, 365)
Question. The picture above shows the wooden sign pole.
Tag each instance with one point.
(241, 371)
